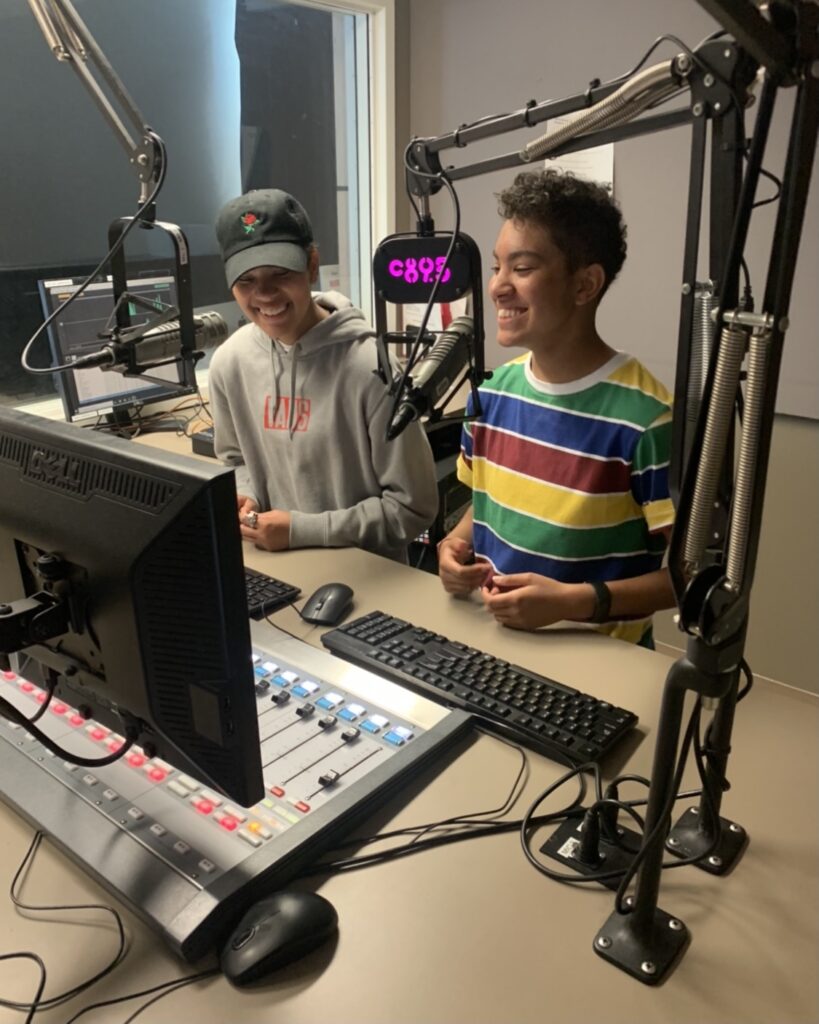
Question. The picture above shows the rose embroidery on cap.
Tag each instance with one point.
(249, 220)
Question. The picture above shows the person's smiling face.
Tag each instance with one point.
(279, 300)
(533, 290)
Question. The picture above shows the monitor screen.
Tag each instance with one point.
(136, 557)
(75, 333)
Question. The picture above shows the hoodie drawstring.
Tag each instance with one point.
(275, 370)
(291, 420)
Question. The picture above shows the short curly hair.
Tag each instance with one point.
(583, 219)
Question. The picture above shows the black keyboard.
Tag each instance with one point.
(265, 594)
(564, 724)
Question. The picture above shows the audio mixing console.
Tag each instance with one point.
(335, 740)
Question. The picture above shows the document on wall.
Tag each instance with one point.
(441, 315)
(595, 164)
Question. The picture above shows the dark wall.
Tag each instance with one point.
(288, 52)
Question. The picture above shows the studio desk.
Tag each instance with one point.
(471, 932)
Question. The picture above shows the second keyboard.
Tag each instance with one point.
(562, 723)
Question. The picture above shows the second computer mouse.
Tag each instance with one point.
(328, 605)
(276, 931)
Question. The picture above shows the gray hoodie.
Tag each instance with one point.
(304, 428)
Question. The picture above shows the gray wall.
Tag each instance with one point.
(471, 58)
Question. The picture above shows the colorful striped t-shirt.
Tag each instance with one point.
(571, 480)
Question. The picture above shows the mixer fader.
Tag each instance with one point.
(334, 741)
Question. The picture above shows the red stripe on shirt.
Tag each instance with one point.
(551, 465)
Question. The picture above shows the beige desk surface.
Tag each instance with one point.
(471, 932)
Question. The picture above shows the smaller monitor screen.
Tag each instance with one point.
(76, 332)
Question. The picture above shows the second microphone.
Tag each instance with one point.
(435, 374)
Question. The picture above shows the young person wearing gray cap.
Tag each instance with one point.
(297, 409)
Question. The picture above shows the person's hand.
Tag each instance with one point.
(459, 573)
(267, 530)
(245, 506)
(528, 601)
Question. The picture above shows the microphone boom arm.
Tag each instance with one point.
(70, 41)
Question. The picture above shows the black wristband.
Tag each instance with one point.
(602, 602)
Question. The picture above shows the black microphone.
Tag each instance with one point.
(435, 374)
(157, 345)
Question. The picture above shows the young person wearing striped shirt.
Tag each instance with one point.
(568, 463)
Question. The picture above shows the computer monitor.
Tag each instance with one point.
(140, 552)
(75, 332)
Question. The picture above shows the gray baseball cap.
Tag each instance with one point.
(263, 228)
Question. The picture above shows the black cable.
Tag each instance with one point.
(8, 710)
(489, 118)
(35, 1004)
(775, 196)
(508, 803)
(476, 831)
(461, 819)
(745, 668)
(96, 271)
(410, 196)
(163, 989)
(53, 1001)
(281, 608)
(421, 330)
(529, 822)
(161, 419)
(412, 829)
(470, 829)
(50, 686)
(747, 295)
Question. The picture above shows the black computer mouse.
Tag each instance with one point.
(276, 931)
(328, 605)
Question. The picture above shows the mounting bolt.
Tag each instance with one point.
(603, 941)
(715, 861)
(686, 289)
(697, 109)
(717, 106)
(672, 841)
(628, 901)
(648, 967)
(733, 827)
(675, 925)
(708, 81)
(784, 324)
